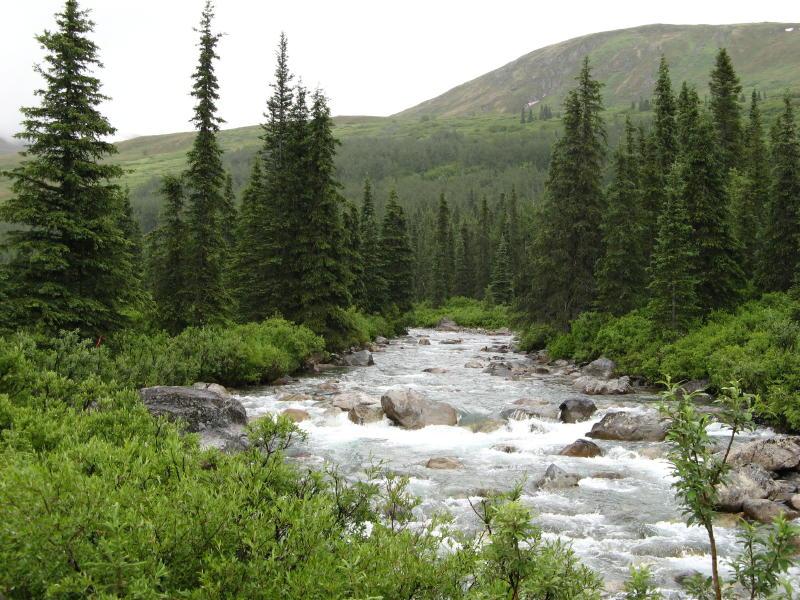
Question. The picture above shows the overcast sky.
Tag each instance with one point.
(371, 57)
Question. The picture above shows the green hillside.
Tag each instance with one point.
(766, 56)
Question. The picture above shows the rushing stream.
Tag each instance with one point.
(622, 512)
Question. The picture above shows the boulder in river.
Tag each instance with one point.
(443, 462)
(424, 341)
(499, 369)
(556, 477)
(780, 453)
(447, 324)
(602, 368)
(573, 410)
(525, 408)
(794, 502)
(362, 358)
(485, 425)
(747, 482)
(582, 449)
(630, 427)
(452, 341)
(474, 364)
(349, 400)
(220, 420)
(434, 370)
(294, 397)
(296, 415)
(766, 510)
(409, 409)
(594, 385)
(365, 413)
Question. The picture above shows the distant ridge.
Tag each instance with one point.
(765, 55)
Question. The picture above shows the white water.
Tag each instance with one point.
(611, 523)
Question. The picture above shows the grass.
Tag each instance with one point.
(466, 312)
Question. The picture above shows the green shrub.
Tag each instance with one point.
(466, 312)
(535, 337)
(580, 342)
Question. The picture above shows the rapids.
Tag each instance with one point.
(611, 523)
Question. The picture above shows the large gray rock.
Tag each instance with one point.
(349, 400)
(212, 387)
(362, 358)
(591, 385)
(525, 408)
(409, 409)
(766, 510)
(220, 420)
(780, 453)
(747, 482)
(602, 368)
(573, 410)
(582, 449)
(630, 427)
(556, 477)
(381, 341)
(443, 462)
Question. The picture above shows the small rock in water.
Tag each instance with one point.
(795, 502)
(381, 341)
(446, 324)
(423, 341)
(576, 409)
(443, 462)
(409, 409)
(486, 426)
(285, 380)
(452, 341)
(362, 358)
(349, 400)
(328, 387)
(474, 364)
(596, 386)
(630, 427)
(434, 370)
(602, 368)
(582, 449)
(365, 413)
(541, 370)
(556, 477)
(525, 408)
(294, 397)
(507, 448)
(296, 415)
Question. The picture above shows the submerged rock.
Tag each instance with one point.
(435, 370)
(220, 420)
(443, 462)
(423, 341)
(780, 453)
(630, 427)
(486, 426)
(582, 449)
(365, 413)
(295, 414)
(409, 409)
(294, 397)
(573, 410)
(556, 477)
(474, 364)
(507, 448)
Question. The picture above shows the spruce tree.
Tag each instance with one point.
(465, 263)
(568, 240)
(355, 262)
(70, 264)
(442, 267)
(781, 258)
(750, 192)
(320, 241)
(664, 125)
(673, 281)
(397, 258)
(168, 259)
(725, 89)
(374, 283)
(248, 269)
(209, 301)
(622, 269)
(484, 258)
(500, 289)
(719, 276)
(228, 215)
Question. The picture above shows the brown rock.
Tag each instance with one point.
(443, 462)
(582, 449)
(296, 415)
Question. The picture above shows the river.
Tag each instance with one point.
(614, 521)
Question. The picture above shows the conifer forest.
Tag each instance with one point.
(549, 352)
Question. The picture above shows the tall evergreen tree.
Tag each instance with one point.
(443, 267)
(209, 300)
(397, 259)
(622, 269)
(355, 261)
(229, 217)
(70, 263)
(664, 125)
(248, 269)
(501, 289)
(168, 259)
(725, 90)
(374, 283)
(568, 239)
(781, 258)
(673, 282)
(320, 243)
(719, 277)
(484, 257)
(464, 284)
(750, 192)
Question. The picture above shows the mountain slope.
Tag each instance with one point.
(766, 55)
(7, 147)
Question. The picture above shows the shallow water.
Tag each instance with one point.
(611, 523)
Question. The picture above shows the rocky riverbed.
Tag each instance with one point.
(463, 415)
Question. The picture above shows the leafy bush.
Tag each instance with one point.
(580, 342)
(466, 312)
(535, 337)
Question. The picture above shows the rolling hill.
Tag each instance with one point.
(766, 55)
